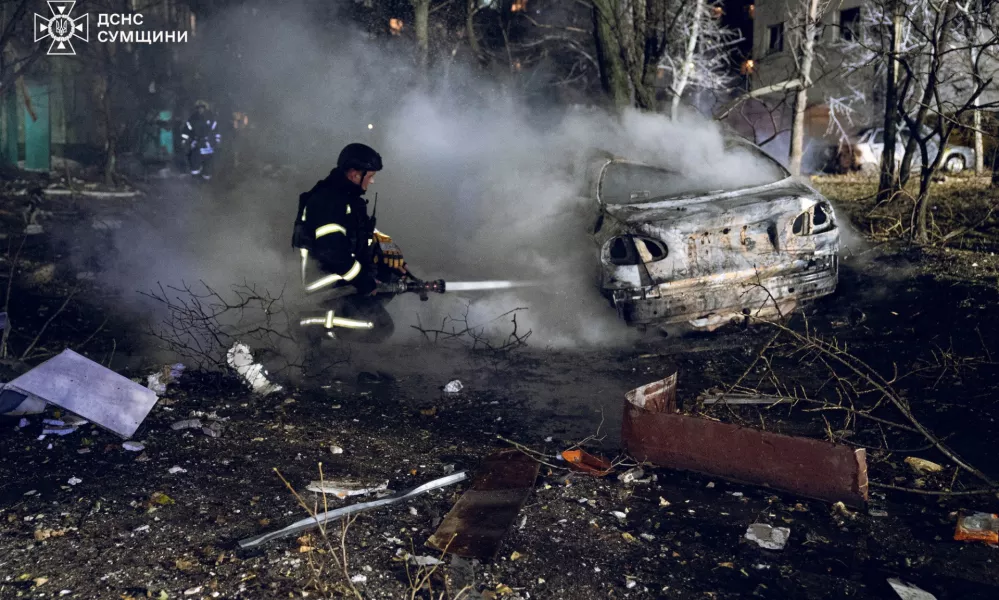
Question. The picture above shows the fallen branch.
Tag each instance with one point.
(61, 308)
(980, 492)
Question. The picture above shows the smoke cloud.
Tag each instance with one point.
(477, 186)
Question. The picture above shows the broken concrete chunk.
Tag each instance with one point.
(922, 467)
(187, 424)
(453, 388)
(240, 359)
(771, 538)
(88, 389)
(133, 446)
(213, 429)
(342, 488)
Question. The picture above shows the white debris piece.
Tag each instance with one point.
(159, 380)
(619, 514)
(141, 528)
(134, 446)
(771, 538)
(630, 583)
(193, 591)
(419, 561)
(453, 387)
(74, 481)
(342, 488)
(907, 591)
(23, 423)
(175, 470)
(413, 511)
(336, 449)
(358, 579)
(155, 383)
(633, 476)
(187, 424)
(240, 359)
(60, 431)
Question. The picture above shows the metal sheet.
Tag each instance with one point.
(808, 467)
(658, 396)
(319, 519)
(483, 515)
(84, 387)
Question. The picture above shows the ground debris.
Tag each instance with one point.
(767, 536)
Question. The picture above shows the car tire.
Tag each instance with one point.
(954, 163)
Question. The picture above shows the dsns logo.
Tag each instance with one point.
(61, 27)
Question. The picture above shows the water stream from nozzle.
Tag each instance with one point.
(475, 286)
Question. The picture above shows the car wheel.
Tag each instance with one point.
(954, 163)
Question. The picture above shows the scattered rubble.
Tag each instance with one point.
(766, 536)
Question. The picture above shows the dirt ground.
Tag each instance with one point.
(82, 517)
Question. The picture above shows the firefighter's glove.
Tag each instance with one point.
(392, 259)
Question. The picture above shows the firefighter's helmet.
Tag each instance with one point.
(359, 157)
(201, 104)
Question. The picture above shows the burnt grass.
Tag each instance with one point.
(131, 529)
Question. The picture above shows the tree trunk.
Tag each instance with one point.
(889, 171)
(979, 142)
(688, 58)
(801, 98)
(421, 26)
(613, 75)
(473, 39)
(920, 232)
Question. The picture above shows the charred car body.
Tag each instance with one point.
(673, 251)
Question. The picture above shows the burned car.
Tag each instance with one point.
(676, 250)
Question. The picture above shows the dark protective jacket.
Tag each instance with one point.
(334, 233)
(201, 132)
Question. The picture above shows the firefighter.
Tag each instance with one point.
(202, 137)
(344, 257)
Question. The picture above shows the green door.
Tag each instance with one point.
(37, 129)
(8, 129)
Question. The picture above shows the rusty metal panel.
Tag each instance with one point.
(804, 466)
(658, 396)
(483, 515)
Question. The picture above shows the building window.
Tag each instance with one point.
(775, 38)
(849, 24)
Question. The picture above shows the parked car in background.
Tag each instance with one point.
(863, 153)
